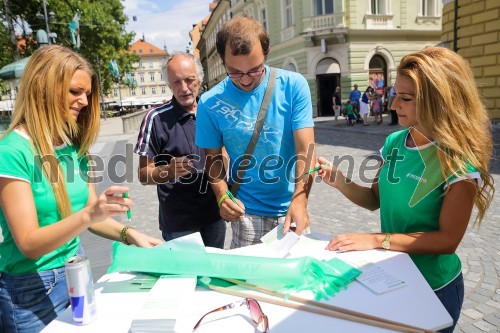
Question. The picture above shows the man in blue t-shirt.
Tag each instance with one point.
(274, 188)
(354, 97)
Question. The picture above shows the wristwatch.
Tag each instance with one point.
(386, 243)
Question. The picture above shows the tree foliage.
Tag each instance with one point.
(102, 30)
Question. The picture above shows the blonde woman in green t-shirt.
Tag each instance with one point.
(46, 197)
(433, 172)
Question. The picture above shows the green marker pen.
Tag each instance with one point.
(129, 213)
(315, 169)
(231, 196)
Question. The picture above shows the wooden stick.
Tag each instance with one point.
(332, 310)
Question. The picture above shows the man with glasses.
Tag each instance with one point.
(275, 185)
(170, 159)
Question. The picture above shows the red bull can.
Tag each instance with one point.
(80, 289)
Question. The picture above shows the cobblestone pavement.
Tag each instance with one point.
(331, 213)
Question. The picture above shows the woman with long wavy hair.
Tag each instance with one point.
(47, 198)
(433, 172)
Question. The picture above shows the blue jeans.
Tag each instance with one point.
(452, 297)
(29, 302)
(213, 235)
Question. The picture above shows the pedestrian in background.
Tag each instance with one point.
(354, 97)
(336, 105)
(394, 115)
(364, 105)
(46, 196)
(227, 117)
(432, 174)
(350, 114)
(170, 159)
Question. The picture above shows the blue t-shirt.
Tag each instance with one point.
(354, 96)
(227, 116)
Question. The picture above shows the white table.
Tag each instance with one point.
(415, 304)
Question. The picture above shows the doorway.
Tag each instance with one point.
(327, 79)
(326, 84)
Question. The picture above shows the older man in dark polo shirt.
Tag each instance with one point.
(170, 159)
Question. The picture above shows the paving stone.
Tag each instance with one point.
(485, 309)
(484, 326)
(472, 313)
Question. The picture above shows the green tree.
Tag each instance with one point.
(102, 30)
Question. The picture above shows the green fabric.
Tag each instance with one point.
(411, 189)
(296, 274)
(17, 161)
(348, 108)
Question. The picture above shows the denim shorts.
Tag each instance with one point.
(452, 297)
(29, 302)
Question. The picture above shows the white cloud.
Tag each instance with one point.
(165, 21)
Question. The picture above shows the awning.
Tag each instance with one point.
(14, 70)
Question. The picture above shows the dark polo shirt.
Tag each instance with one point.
(186, 203)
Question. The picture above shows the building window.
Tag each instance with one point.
(141, 77)
(152, 77)
(161, 76)
(150, 64)
(263, 18)
(140, 63)
(132, 91)
(153, 90)
(143, 91)
(378, 7)
(323, 7)
(115, 92)
(288, 13)
(163, 89)
(428, 8)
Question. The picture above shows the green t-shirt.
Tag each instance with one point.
(348, 108)
(17, 161)
(411, 196)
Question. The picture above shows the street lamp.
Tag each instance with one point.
(52, 15)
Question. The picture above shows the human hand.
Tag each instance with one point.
(329, 173)
(110, 202)
(179, 167)
(297, 212)
(230, 211)
(141, 240)
(353, 242)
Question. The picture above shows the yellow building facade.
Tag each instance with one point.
(472, 28)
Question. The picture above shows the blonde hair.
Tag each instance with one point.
(42, 108)
(449, 108)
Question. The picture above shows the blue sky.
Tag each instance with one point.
(165, 21)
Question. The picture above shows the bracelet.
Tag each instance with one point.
(123, 234)
(224, 196)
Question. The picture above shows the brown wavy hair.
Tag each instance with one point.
(450, 109)
(42, 108)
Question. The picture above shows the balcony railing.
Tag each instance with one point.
(379, 22)
(287, 33)
(322, 22)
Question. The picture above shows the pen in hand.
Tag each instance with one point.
(129, 213)
(231, 196)
(315, 169)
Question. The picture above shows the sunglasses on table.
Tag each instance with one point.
(253, 306)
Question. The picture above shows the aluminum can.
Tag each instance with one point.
(80, 289)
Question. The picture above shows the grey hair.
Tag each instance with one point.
(197, 64)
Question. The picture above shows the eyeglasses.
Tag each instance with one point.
(255, 313)
(256, 73)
